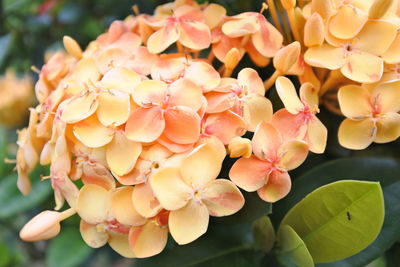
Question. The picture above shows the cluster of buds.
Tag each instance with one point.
(17, 97)
(135, 128)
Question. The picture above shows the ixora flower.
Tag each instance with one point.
(372, 114)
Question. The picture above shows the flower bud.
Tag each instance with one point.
(314, 30)
(240, 147)
(286, 57)
(379, 8)
(323, 7)
(72, 47)
(232, 58)
(288, 4)
(43, 226)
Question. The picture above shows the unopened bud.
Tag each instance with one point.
(288, 4)
(72, 47)
(286, 57)
(232, 58)
(314, 30)
(323, 7)
(379, 8)
(43, 226)
(240, 147)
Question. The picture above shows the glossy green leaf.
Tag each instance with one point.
(292, 250)
(67, 249)
(264, 233)
(338, 220)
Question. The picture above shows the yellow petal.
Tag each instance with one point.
(309, 96)
(250, 79)
(293, 154)
(386, 96)
(92, 204)
(314, 30)
(278, 186)
(317, 135)
(266, 141)
(169, 188)
(92, 236)
(121, 154)
(204, 75)
(188, 223)
(256, 109)
(222, 198)
(201, 166)
(123, 209)
(241, 27)
(347, 23)
(163, 38)
(120, 244)
(43, 226)
(388, 128)
(86, 71)
(325, 56)
(79, 108)
(149, 92)
(92, 133)
(144, 200)
(148, 240)
(354, 101)
(363, 67)
(145, 124)
(122, 79)
(213, 15)
(392, 55)
(114, 107)
(357, 134)
(287, 93)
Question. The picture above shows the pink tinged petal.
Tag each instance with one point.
(268, 39)
(114, 107)
(374, 30)
(201, 166)
(184, 92)
(148, 240)
(256, 56)
(363, 67)
(163, 38)
(287, 93)
(354, 102)
(92, 236)
(182, 125)
(387, 96)
(204, 75)
(120, 244)
(347, 23)
(143, 61)
(43, 226)
(144, 200)
(222, 198)
(225, 125)
(111, 58)
(86, 71)
(388, 128)
(309, 96)
(222, 47)
(325, 56)
(292, 154)
(216, 143)
(92, 204)
(194, 34)
(123, 209)
(278, 187)
(256, 109)
(172, 146)
(150, 92)
(97, 174)
(317, 135)
(250, 79)
(135, 176)
(266, 141)
(169, 188)
(357, 135)
(122, 79)
(392, 54)
(188, 223)
(79, 108)
(219, 102)
(122, 153)
(241, 27)
(92, 133)
(250, 174)
(169, 69)
(145, 124)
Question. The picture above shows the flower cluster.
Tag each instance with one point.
(135, 128)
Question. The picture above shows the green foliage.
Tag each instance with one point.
(264, 234)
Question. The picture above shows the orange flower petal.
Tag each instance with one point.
(241, 27)
(219, 102)
(290, 126)
(250, 79)
(293, 154)
(114, 107)
(163, 38)
(92, 133)
(354, 102)
(91, 236)
(325, 56)
(213, 15)
(120, 244)
(250, 174)
(79, 108)
(363, 67)
(204, 75)
(172, 146)
(278, 187)
(225, 125)
(347, 22)
(309, 96)
(317, 135)
(222, 198)
(182, 125)
(145, 124)
(388, 128)
(188, 223)
(184, 92)
(256, 109)
(123, 209)
(392, 55)
(92, 204)
(122, 79)
(144, 200)
(356, 134)
(287, 93)
(194, 34)
(266, 141)
(97, 174)
(86, 71)
(150, 92)
(387, 96)
(268, 39)
(170, 189)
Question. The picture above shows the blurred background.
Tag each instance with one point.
(30, 30)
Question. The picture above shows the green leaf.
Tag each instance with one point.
(67, 249)
(292, 250)
(5, 42)
(5, 256)
(264, 233)
(338, 220)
